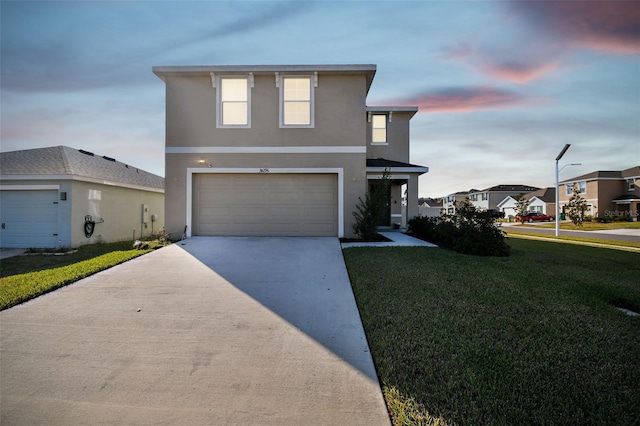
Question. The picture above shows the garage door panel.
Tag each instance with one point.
(284, 197)
(30, 218)
(265, 204)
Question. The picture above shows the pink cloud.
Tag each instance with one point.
(463, 99)
(519, 72)
(612, 26)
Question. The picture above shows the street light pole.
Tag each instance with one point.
(566, 147)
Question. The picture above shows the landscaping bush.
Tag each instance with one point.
(468, 231)
(370, 210)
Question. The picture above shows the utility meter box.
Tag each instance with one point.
(145, 213)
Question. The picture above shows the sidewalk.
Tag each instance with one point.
(398, 239)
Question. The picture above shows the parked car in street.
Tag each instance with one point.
(534, 217)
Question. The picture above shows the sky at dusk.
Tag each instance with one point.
(502, 86)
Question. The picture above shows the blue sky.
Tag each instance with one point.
(502, 86)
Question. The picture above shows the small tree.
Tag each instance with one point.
(522, 206)
(576, 207)
(370, 210)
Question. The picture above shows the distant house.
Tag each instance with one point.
(608, 193)
(490, 198)
(542, 201)
(430, 207)
(281, 150)
(61, 196)
(448, 202)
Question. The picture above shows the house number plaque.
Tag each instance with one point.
(264, 170)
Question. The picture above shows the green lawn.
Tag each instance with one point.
(25, 277)
(532, 339)
(523, 231)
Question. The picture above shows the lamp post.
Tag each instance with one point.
(566, 147)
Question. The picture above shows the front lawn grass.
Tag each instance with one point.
(515, 232)
(26, 277)
(534, 338)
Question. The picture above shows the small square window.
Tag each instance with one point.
(378, 128)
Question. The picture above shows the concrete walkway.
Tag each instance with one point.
(398, 239)
(209, 331)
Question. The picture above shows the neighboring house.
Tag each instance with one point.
(430, 207)
(490, 198)
(280, 150)
(448, 202)
(607, 193)
(60, 196)
(542, 201)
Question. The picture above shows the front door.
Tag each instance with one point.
(385, 219)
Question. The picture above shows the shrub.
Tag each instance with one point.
(370, 210)
(468, 231)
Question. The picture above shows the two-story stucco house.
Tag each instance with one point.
(282, 150)
(607, 192)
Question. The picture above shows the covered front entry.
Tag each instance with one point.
(265, 204)
(402, 202)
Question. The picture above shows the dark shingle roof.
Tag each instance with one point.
(548, 195)
(633, 172)
(65, 161)
(607, 174)
(511, 188)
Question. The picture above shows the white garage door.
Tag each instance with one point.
(29, 219)
(265, 204)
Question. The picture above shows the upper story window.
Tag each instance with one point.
(379, 128)
(631, 184)
(233, 102)
(581, 186)
(296, 101)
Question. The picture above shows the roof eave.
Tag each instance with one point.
(369, 70)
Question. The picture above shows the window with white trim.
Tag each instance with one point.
(234, 102)
(296, 101)
(379, 128)
(485, 196)
(582, 187)
(632, 184)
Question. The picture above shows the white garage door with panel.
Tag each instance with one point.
(265, 204)
(29, 218)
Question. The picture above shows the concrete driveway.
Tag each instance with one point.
(209, 331)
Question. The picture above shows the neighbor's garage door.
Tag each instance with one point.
(265, 204)
(29, 219)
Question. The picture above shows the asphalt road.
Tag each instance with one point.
(613, 234)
